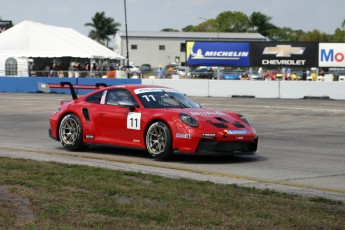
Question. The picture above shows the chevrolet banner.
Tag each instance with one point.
(278, 54)
(209, 53)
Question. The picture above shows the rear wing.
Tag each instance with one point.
(44, 87)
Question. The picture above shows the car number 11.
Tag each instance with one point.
(133, 120)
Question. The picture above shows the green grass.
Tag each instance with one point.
(37, 195)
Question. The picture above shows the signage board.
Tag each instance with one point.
(289, 54)
(210, 53)
(332, 55)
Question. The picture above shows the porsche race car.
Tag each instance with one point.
(158, 119)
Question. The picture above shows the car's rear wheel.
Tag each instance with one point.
(158, 140)
(70, 133)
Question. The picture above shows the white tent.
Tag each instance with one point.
(32, 39)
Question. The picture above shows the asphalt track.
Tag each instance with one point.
(301, 144)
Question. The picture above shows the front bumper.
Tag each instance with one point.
(220, 148)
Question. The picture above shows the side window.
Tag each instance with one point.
(115, 95)
(95, 98)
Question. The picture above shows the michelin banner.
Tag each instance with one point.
(204, 53)
(332, 54)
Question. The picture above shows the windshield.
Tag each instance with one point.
(164, 98)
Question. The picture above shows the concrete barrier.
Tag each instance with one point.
(259, 89)
(198, 88)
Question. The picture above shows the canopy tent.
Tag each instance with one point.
(32, 39)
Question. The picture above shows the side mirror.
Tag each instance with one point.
(128, 104)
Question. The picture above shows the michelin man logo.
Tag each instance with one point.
(198, 53)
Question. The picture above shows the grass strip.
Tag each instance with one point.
(41, 195)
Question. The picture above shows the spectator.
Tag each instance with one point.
(160, 72)
(76, 71)
(70, 71)
(304, 74)
(260, 73)
(61, 74)
(288, 73)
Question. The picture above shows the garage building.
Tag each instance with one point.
(162, 48)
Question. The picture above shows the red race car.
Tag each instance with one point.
(159, 119)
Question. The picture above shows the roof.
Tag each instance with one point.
(197, 35)
(32, 39)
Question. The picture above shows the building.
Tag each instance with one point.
(162, 48)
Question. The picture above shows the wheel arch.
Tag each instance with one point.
(156, 120)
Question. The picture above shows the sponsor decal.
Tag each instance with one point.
(208, 134)
(283, 50)
(332, 55)
(183, 135)
(136, 141)
(151, 90)
(89, 136)
(216, 113)
(236, 131)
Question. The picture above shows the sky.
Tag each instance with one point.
(155, 15)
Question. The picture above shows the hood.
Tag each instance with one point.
(216, 118)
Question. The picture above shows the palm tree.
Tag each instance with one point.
(111, 28)
(102, 27)
(261, 23)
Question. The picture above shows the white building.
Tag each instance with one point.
(162, 48)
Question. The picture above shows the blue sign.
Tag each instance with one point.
(204, 53)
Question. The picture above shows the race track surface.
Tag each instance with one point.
(301, 144)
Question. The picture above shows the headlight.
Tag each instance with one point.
(188, 120)
(243, 118)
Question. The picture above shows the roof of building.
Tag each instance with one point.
(196, 35)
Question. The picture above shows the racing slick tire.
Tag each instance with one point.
(158, 140)
(70, 133)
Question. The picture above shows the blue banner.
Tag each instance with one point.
(209, 53)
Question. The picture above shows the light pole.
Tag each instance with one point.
(127, 57)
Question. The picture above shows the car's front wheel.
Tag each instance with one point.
(70, 133)
(158, 140)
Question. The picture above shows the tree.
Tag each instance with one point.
(314, 36)
(285, 34)
(188, 28)
(102, 27)
(261, 23)
(169, 30)
(339, 34)
(209, 25)
(232, 22)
